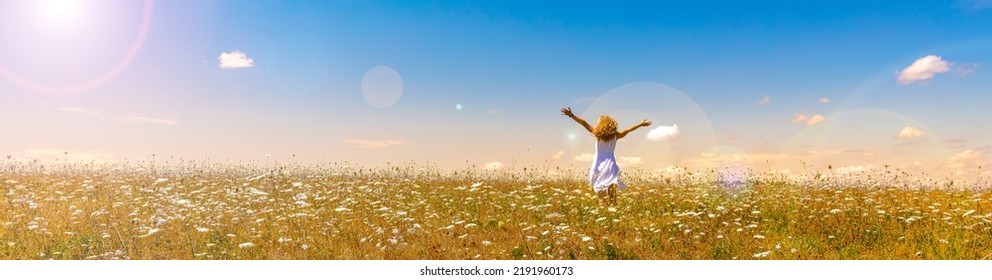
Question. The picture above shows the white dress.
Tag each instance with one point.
(604, 171)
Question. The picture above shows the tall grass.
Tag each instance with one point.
(192, 210)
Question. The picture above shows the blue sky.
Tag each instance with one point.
(510, 65)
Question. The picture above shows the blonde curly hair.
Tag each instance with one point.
(606, 128)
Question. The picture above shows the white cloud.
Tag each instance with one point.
(923, 69)
(824, 100)
(855, 169)
(628, 161)
(79, 110)
(710, 160)
(962, 160)
(370, 144)
(860, 153)
(911, 132)
(764, 101)
(558, 154)
(965, 69)
(815, 120)
(139, 118)
(662, 132)
(132, 118)
(586, 157)
(235, 59)
(798, 118)
(493, 165)
(912, 164)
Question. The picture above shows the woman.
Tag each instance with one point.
(604, 175)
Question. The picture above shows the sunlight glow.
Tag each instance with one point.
(70, 20)
(59, 13)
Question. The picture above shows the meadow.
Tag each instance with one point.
(191, 210)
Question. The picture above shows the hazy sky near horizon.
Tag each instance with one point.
(769, 85)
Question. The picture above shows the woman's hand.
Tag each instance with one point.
(568, 112)
(645, 122)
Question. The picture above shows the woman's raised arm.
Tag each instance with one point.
(623, 133)
(568, 112)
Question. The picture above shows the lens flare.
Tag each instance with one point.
(59, 13)
(66, 10)
(382, 87)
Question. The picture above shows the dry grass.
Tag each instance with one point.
(196, 211)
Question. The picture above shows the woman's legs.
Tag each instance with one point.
(608, 197)
(612, 192)
(602, 197)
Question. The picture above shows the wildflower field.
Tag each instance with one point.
(335, 211)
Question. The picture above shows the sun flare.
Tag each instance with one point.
(59, 13)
